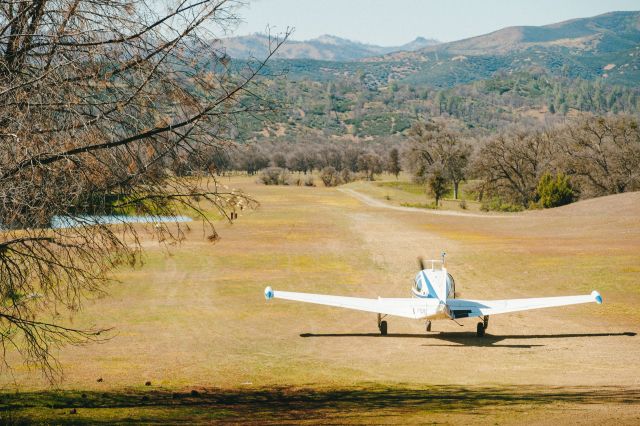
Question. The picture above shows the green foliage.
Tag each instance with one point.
(554, 191)
(377, 100)
(499, 205)
(431, 206)
(437, 185)
(410, 187)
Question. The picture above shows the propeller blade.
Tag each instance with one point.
(421, 262)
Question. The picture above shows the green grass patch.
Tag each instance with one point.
(430, 206)
(410, 187)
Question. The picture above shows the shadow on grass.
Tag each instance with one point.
(471, 340)
(292, 404)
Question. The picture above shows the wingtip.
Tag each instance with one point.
(597, 297)
(268, 293)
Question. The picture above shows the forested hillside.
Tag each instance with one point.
(515, 75)
(351, 108)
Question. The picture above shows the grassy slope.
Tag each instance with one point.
(402, 191)
(195, 318)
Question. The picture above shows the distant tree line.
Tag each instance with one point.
(518, 167)
(523, 167)
(306, 158)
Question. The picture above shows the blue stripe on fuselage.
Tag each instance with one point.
(432, 291)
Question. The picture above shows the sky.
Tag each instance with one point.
(394, 22)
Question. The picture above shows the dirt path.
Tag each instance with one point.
(581, 345)
(377, 203)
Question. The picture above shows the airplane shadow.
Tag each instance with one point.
(466, 339)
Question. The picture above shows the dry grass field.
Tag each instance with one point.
(193, 321)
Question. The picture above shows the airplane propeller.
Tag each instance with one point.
(421, 262)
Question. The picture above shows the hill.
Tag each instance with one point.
(604, 46)
(610, 32)
(612, 207)
(326, 47)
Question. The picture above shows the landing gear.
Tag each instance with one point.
(383, 328)
(482, 326)
(382, 325)
(428, 325)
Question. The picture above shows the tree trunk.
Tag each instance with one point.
(455, 190)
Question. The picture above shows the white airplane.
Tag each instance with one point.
(433, 298)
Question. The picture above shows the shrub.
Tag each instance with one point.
(275, 176)
(309, 181)
(330, 176)
(432, 206)
(497, 204)
(554, 191)
(463, 205)
(346, 176)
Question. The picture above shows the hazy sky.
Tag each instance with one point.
(393, 22)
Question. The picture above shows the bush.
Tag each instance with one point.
(498, 205)
(275, 176)
(432, 206)
(346, 176)
(463, 205)
(309, 181)
(554, 191)
(330, 176)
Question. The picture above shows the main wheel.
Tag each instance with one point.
(383, 328)
(480, 329)
(428, 325)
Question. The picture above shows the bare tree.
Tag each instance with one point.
(603, 153)
(437, 144)
(512, 162)
(370, 163)
(393, 163)
(99, 101)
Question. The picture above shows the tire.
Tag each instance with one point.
(480, 329)
(383, 328)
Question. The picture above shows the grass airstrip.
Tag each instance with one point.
(194, 323)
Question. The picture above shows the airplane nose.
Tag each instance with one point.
(268, 293)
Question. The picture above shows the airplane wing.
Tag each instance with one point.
(401, 307)
(461, 308)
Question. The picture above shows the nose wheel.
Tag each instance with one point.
(482, 326)
(428, 325)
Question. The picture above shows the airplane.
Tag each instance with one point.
(433, 298)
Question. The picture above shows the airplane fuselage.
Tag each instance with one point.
(433, 287)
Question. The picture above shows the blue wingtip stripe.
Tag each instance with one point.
(268, 293)
(596, 296)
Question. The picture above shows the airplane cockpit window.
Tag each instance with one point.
(419, 285)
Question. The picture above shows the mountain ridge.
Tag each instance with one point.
(325, 47)
(608, 32)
